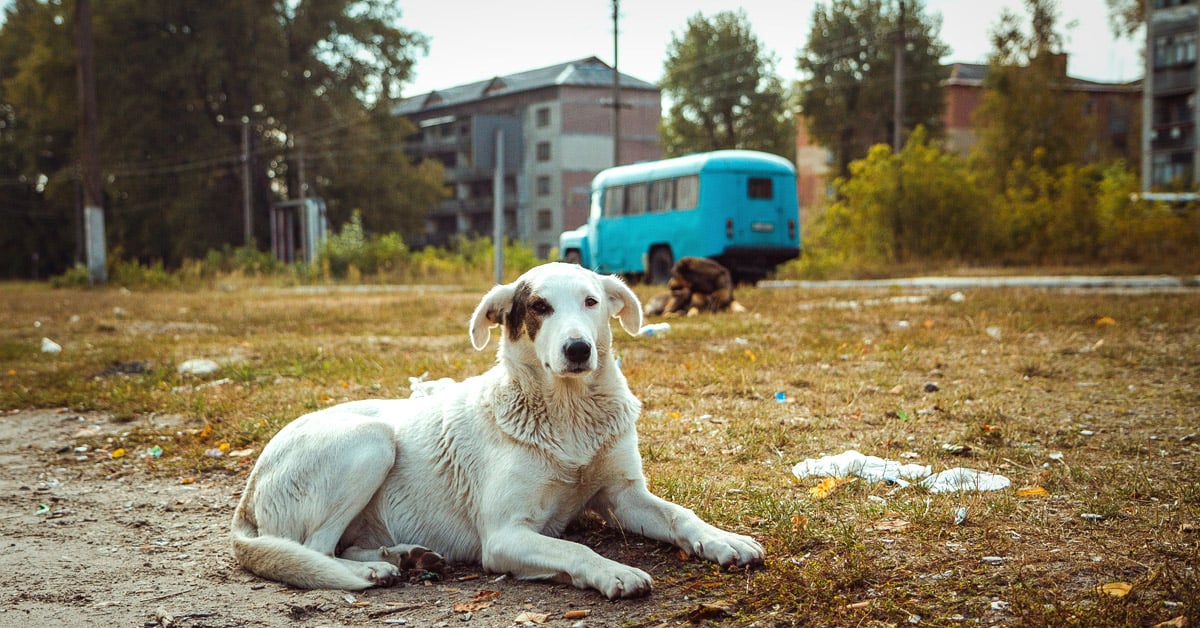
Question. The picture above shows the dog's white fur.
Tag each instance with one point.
(489, 470)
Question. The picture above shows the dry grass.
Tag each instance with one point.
(1109, 381)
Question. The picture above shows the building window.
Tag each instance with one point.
(542, 116)
(543, 186)
(545, 220)
(543, 151)
(1177, 49)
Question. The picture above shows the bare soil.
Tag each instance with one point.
(85, 547)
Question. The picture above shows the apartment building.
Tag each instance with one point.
(557, 128)
(1169, 147)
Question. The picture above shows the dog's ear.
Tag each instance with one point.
(489, 313)
(624, 302)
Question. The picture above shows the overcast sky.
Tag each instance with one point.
(473, 40)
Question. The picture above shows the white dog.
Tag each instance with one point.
(488, 470)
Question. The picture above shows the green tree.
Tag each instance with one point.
(723, 90)
(312, 79)
(1027, 104)
(848, 95)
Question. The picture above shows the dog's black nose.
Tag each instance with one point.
(578, 351)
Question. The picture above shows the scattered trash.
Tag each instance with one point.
(853, 463)
(214, 453)
(1105, 321)
(155, 452)
(1032, 491)
(42, 509)
(956, 449)
(994, 332)
(118, 453)
(958, 297)
(1091, 516)
(1086, 433)
(49, 346)
(781, 397)
(1115, 589)
(960, 516)
(531, 617)
(999, 605)
(421, 388)
(654, 328)
(931, 387)
(198, 366)
(992, 560)
(960, 479)
(577, 614)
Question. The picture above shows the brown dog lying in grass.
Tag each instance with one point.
(697, 284)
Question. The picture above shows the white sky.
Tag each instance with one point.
(472, 40)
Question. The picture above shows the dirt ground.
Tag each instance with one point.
(82, 547)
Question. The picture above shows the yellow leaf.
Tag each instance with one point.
(827, 486)
(187, 480)
(1105, 321)
(1032, 491)
(12, 371)
(118, 453)
(223, 446)
(750, 355)
(1115, 589)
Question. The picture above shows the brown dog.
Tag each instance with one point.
(697, 284)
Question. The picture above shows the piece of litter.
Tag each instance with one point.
(155, 452)
(198, 366)
(999, 605)
(49, 346)
(960, 479)
(42, 509)
(994, 332)
(853, 463)
(654, 329)
(1090, 516)
(960, 516)
(958, 297)
(421, 388)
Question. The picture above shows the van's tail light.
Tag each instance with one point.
(791, 229)
(729, 228)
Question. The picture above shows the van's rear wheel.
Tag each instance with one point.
(660, 264)
(573, 257)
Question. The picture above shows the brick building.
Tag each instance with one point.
(557, 127)
(1115, 106)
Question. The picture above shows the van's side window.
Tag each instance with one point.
(687, 192)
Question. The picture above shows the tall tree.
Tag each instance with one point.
(847, 95)
(311, 79)
(1028, 114)
(1125, 17)
(723, 90)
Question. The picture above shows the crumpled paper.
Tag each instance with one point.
(875, 469)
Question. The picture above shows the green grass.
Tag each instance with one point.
(714, 438)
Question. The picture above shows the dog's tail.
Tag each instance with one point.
(287, 561)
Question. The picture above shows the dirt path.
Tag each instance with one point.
(84, 548)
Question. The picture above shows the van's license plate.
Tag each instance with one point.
(762, 227)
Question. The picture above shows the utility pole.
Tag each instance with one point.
(498, 208)
(247, 214)
(89, 157)
(898, 87)
(616, 89)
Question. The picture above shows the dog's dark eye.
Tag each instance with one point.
(591, 302)
(540, 307)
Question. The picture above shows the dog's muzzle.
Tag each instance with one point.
(579, 355)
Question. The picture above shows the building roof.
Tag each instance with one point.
(587, 72)
(974, 74)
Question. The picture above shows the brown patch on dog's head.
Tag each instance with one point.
(526, 313)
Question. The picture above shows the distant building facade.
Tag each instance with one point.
(1169, 152)
(557, 134)
(1115, 106)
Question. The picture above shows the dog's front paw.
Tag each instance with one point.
(619, 582)
(728, 549)
(414, 557)
(382, 574)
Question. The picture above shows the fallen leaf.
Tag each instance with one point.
(799, 523)
(708, 611)
(1178, 622)
(118, 453)
(1032, 491)
(890, 524)
(483, 599)
(187, 480)
(1115, 589)
(530, 616)
(750, 355)
(827, 486)
(1105, 321)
